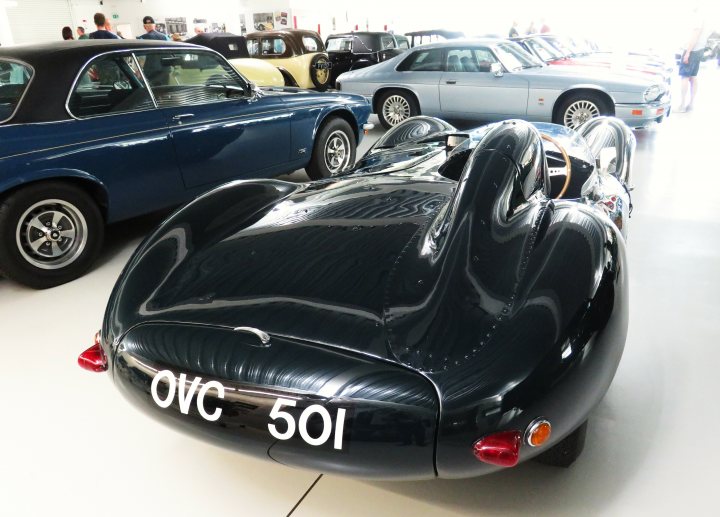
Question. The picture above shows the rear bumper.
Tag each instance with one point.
(643, 115)
(345, 421)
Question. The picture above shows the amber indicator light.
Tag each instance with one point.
(538, 433)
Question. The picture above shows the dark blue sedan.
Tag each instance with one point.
(93, 132)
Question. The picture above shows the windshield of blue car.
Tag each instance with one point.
(14, 79)
(513, 57)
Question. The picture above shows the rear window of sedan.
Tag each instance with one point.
(423, 61)
(14, 80)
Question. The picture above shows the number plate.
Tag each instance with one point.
(333, 425)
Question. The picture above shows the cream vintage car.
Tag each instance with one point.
(298, 54)
(234, 49)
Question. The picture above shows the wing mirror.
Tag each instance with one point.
(252, 89)
(496, 69)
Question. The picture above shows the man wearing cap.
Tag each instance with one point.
(149, 25)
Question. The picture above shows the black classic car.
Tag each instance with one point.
(455, 304)
(99, 131)
(355, 50)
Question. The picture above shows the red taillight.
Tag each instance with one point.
(501, 448)
(94, 358)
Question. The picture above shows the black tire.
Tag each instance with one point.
(320, 72)
(585, 104)
(321, 161)
(57, 258)
(398, 100)
(564, 453)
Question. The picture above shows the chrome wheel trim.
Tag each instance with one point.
(396, 109)
(580, 112)
(337, 152)
(51, 234)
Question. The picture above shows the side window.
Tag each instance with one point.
(387, 42)
(253, 47)
(311, 44)
(469, 60)
(423, 61)
(272, 47)
(109, 84)
(14, 80)
(403, 44)
(484, 58)
(190, 77)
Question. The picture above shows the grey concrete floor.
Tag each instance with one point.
(70, 445)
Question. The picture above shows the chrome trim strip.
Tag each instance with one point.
(132, 51)
(27, 87)
(264, 337)
(147, 84)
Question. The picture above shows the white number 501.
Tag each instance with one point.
(302, 423)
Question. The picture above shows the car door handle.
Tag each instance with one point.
(450, 82)
(182, 116)
(263, 336)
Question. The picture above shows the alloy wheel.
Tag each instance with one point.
(580, 112)
(396, 109)
(51, 234)
(337, 152)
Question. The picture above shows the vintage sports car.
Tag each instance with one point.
(454, 304)
(234, 49)
(356, 50)
(298, 54)
(93, 132)
(553, 50)
(495, 79)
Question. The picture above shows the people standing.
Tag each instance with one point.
(67, 33)
(513, 30)
(545, 28)
(101, 32)
(531, 28)
(690, 62)
(150, 32)
(81, 33)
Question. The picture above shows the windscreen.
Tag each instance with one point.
(513, 57)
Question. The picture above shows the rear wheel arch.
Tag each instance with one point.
(382, 91)
(94, 189)
(288, 77)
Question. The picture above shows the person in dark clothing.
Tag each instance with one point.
(513, 30)
(101, 33)
(151, 33)
(67, 33)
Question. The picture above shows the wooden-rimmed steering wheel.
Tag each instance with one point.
(568, 165)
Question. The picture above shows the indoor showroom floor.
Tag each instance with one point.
(71, 445)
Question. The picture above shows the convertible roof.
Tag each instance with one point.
(56, 65)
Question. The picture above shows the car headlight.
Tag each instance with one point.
(652, 93)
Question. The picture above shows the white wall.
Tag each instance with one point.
(622, 22)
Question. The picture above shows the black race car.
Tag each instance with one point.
(455, 304)
(355, 50)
